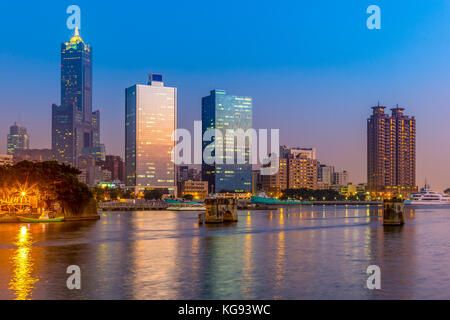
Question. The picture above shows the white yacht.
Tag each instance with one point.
(426, 196)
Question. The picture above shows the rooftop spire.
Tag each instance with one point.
(76, 37)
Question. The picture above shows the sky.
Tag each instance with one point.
(313, 68)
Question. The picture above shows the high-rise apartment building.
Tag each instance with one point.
(298, 169)
(223, 112)
(151, 118)
(391, 151)
(302, 172)
(18, 139)
(74, 126)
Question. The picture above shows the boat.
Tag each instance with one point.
(426, 196)
(31, 220)
(43, 218)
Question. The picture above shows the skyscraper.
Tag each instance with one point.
(18, 139)
(151, 118)
(74, 126)
(325, 176)
(391, 151)
(223, 111)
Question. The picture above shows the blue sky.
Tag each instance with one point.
(312, 67)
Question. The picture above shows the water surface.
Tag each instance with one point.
(309, 252)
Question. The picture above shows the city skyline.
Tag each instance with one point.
(343, 141)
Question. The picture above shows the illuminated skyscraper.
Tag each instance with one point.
(18, 139)
(223, 111)
(391, 151)
(72, 121)
(151, 118)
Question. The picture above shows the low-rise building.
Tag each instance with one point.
(349, 189)
(198, 189)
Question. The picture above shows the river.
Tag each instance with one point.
(308, 252)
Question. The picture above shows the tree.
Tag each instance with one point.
(447, 191)
(48, 182)
(188, 197)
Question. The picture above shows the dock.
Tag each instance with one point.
(133, 206)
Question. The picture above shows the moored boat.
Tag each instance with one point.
(31, 220)
(426, 196)
(43, 218)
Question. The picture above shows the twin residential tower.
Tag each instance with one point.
(391, 152)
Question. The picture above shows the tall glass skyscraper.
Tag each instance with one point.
(150, 120)
(72, 121)
(223, 111)
(18, 139)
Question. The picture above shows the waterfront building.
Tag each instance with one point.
(325, 176)
(223, 111)
(198, 189)
(361, 188)
(6, 159)
(348, 189)
(391, 152)
(74, 125)
(151, 118)
(340, 178)
(302, 172)
(18, 139)
(298, 168)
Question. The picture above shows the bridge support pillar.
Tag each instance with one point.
(393, 213)
(221, 210)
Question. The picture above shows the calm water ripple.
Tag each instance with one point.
(290, 253)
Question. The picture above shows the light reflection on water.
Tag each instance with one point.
(287, 253)
(22, 281)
